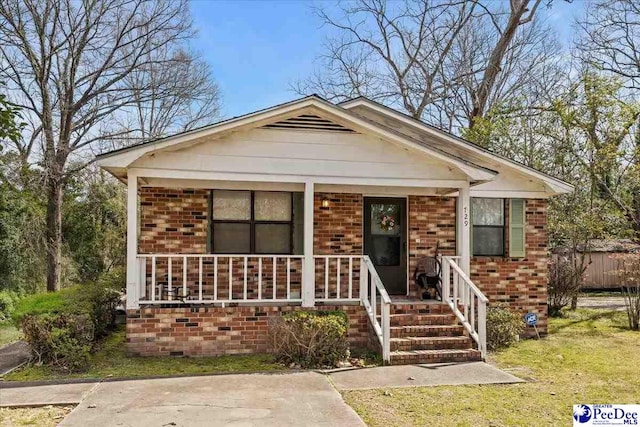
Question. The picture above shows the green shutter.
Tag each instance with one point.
(517, 227)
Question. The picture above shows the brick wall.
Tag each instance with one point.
(432, 220)
(338, 227)
(216, 331)
(520, 283)
(173, 220)
(337, 230)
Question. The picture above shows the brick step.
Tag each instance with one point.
(433, 356)
(419, 308)
(427, 331)
(422, 319)
(431, 343)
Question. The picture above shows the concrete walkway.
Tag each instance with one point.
(421, 375)
(609, 303)
(13, 355)
(63, 394)
(303, 399)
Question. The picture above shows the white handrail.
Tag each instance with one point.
(458, 290)
(369, 301)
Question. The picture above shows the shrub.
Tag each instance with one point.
(50, 302)
(503, 327)
(310, 338)
(8, 301)
(97, 299)
(565, 280)
(61, 340)
(628, 273)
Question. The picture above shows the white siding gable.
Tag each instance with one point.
(302, 153)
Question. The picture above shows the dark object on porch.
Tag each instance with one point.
(175, 293)
(427, 277)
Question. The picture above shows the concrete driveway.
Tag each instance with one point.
(298, 399)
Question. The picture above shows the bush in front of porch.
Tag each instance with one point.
(62, 327)
(109, 359)
(310, 339)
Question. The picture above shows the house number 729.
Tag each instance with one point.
(466, 216)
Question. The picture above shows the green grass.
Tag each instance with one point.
(111, 361)
(46, 302)
(41, 417)
(8, 334)
(588, 357)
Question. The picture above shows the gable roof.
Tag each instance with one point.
(476, 162)
(123, 157)
(451, 140)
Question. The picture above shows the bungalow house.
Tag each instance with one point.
(323, 206)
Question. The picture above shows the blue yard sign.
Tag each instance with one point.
(531, 319)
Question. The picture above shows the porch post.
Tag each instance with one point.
(464, 229)
(309, 279)
(132, 241)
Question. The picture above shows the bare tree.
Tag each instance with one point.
(69, 65)
(187, 98)
(611, 39)
(520, 14)
(442, 62)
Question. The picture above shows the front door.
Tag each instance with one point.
(385, 240)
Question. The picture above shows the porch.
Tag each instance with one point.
(241, 288)
(181, 233)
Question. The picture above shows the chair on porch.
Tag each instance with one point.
(427, 277)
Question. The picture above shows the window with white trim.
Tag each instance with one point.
(488, 226)
(255, 222)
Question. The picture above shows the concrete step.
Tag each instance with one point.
(431, 343)
(410, 357)
(423, 319)
(427, 331)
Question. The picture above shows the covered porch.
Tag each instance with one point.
(329, 264)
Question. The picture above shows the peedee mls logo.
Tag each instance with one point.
(606, 415)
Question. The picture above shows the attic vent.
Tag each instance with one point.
(310, 122)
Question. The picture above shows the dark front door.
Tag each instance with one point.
(385, 240)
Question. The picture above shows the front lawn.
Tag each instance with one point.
(589, 357)
(9, 333)
(40, 417)
(110, 360)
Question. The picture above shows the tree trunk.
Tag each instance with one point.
(494, 66)
(54, 233)
(574, 302)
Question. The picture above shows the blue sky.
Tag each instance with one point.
(258, 48)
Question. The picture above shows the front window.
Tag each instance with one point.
(488, 226)
(255, 222)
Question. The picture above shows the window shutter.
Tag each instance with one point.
(517, 228)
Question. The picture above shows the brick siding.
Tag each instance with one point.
(432, 221)
(215, 331)
(519, 282)
(175, 221)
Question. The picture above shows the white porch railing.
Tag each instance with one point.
(178, 278)
(337, 278)
(224, 279)
(376, 301)
(468, 303)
